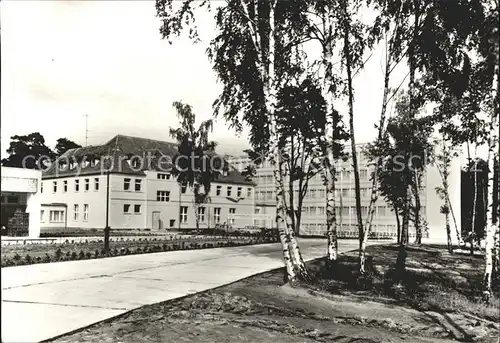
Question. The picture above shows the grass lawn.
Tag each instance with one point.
(437, 302)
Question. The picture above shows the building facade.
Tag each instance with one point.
(133, 175)
(313, 216)
(20, 202)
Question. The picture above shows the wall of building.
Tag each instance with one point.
(78, 196)
(143, 207)
(313, 221)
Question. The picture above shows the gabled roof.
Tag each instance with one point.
(96, 160)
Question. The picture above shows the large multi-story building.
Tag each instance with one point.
(313, 221)
(142, 193)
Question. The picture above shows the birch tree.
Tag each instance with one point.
(191, 164)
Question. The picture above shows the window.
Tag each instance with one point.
(87, 184)
(41, 215)
(54, 186)
(138, 185)
(183, 189)
(364, 192)
(312, 210)
(249, 192)
(363, 174)
(217, 215)
(229, 188)
(137, 209)
(96, 184)
(218, 190)
(162, 196)
(269, 195)
(345, 211)
(75, 212)
(65, 186)
(85, 212)
(321, 210)
(184, 214)
(364, 210)
(321, 193)
(201, 214)
(56, 216)
(126, 184)
(41, 187)
(77, 185)
(345, 192)
(232, 211)
(305, 209)
(381, 211)
(126, 208)
(257, 210)
(238, 192)
(12, 199)
(162, 176)
(270, 178)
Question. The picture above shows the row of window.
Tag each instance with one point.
(164, 196)
(10, 199)
(318, 193)
(57, 216)
(127, 209)
(86, 185)
(390, 228)
(201, 214)
(364, 175)
(76, 212)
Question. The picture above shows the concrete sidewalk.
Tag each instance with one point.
(42, 301)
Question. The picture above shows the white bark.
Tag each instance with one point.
(491, 226)
(328, 170)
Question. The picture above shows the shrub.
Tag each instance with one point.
(38, 259)
(204, 246)
(17, 257)
(66, 241)
(96, 254)
(81, 256)
(127, 251)
(72, 241)
(86, 241)
(164, 247)
(115, 252)
(88, 255)
(74, 255)
(28, 259)
(138, 250)
(46, 258)
(68, 255)
(103, 253)
(58, 254)
(140, 239)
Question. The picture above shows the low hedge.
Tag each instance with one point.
(74, 254)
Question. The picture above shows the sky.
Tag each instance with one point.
(62, 60)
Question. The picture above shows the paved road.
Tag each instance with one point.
(42, 301)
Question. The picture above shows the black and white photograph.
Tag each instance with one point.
(250, 171)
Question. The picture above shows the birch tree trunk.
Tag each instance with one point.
(416, 190)
(493, 146)
(348, 62)
(378, 165)
(401, 259)
(474, 204)
(266, 67)
(398, 224)
(328, 170)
